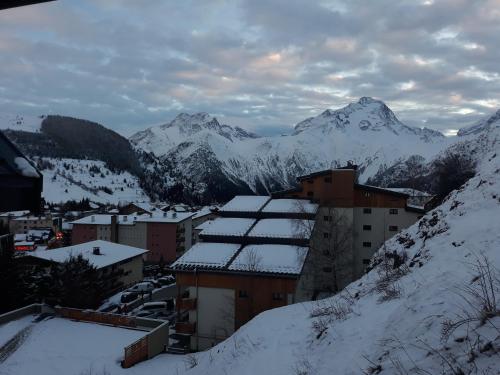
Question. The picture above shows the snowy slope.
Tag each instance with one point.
(25, 123)
(74, 179)
(394, 319)
(366, 132)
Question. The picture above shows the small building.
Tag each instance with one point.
(24, 224)
(20, 181)
(106, 256)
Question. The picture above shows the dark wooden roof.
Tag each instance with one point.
(8, 153)
(5, 4)
(376, 189)
(327, 172)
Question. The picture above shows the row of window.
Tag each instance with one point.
(392, 211)
(392, 228)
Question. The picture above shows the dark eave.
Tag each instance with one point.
(225, 271)
(415, 209)
(380, 190)
(5, 4)
(326, 172)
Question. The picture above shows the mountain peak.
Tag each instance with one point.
(368, 100)
(484, 124)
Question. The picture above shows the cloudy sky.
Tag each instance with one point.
(264, 65)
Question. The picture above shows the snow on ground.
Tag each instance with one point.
(61, 346)
(74, 179)
(9, 329)
(270, 258)
(25, 123)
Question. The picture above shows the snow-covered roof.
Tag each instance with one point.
(204, 225)
(228, 226)
(14, 213)
(411, 192)
(165, 217)
(270, 258)
(282, 228)
(245, 203)
(94, 219)
(290, 206)
(204, 211)
(110, 253)
(207, 255)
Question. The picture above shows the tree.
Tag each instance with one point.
(452, 171)
(14, 283)
(331, 258)
(76, 283)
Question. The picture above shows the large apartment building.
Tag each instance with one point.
(250, 259)
(165, 234)
(353, 221)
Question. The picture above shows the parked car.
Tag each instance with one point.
(127, 297)
(153, 307)
(152, 281)
(144, 287)
(166, 280)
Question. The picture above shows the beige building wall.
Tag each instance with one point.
(214, 316)
(371, 230)
(24, 224)
(132, 271)
(133, 235)
(103, 232)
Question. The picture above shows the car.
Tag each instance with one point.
(154, 307)
(127, 297)
(145, 314)
(143, 287)
(152, 281)
(166, 280)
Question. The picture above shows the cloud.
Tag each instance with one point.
(263, 65)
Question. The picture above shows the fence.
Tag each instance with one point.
(96, 317)
(147, 347)
(136, 352)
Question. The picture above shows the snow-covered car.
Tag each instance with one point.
(144, 287)
(128, 297)
(166, 280)
(152, 281)
(153, 307)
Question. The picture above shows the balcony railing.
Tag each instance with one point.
(184, 304)
(185, 327)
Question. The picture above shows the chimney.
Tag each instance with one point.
(92, 219)
(96, 250)
(125, 218)
(114, 229)
(164, 214)
(174, 215)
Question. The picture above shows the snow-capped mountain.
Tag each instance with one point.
(196, 147)
(24, 123)
(429, 305)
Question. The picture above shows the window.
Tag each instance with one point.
(243, 294)
(278, 296)
(367, 227)
(310, 193)
(328, 180)
(366, 261)
(326, 235)
(367, 210)
(366, 194)
(327, 269)
(367, 244)
(393, 228)
(393, 211)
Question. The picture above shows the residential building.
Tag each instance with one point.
(248, 260)
(24, 224)
(353, 221)
(204, 215)
(20, 181)
(108, 257)
(165, 234)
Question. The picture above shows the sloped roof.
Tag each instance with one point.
(206, 255)
(282, 228)
(228, 226)
(245, 203)
(290, 206)
(12, 161)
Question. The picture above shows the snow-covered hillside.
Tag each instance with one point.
(24, 123)
(366, 132)
(430, 305)
(74, 179)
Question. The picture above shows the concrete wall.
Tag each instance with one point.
(133, 271)
(214, 316)
(380, 220)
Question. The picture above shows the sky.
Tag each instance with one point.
(259, 64)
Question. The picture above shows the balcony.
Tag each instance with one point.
(184, 304)
(185, 327)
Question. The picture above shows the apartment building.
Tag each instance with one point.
(250, 259)
(353, 221)
(165, 234)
